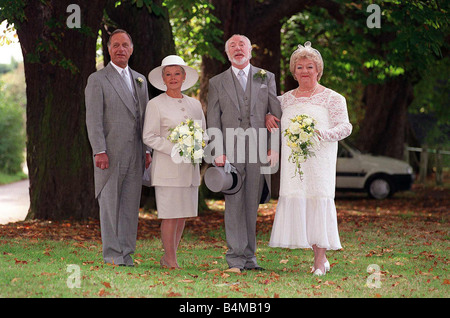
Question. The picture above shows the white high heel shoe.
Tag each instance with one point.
(318, 272)
(327, 268)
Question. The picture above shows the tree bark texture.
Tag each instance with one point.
(384, 127)
(59, 156)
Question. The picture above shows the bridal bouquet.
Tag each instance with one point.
(301, 138)
(188, 140)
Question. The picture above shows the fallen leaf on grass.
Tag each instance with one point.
(106, 284)
(233, 270)
(215, 270)
(224, 275)
(186, 281)
(227, 284)
(20, 262)
(47, 274)
(102, 293)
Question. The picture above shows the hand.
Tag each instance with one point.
(271, 122)
(148, 160)
(102, 161)
(318, 134)
(272, 157)
(220, 161)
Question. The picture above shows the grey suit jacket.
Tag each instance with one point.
(111, 117)
(223, 106)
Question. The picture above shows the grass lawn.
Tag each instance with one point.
(393, 248)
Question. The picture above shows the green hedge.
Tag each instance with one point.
(12, 134)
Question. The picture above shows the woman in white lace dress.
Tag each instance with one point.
(306, 213)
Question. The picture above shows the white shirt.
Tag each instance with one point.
(127, 73)
(245, 69)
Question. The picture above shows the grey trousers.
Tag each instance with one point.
(119, 212)
(241, 211)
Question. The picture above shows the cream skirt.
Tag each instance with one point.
(176, 202)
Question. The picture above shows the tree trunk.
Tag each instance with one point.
(59, 156)
(384, 127)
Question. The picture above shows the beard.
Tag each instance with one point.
(242, 61)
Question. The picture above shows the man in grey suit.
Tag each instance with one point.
(238, 101)
(116, 97)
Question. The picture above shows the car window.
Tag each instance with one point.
(343, 152)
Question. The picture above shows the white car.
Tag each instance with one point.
(380, 176)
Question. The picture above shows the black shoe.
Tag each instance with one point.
(256, 268)
(127, 265)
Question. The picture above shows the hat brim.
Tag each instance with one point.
(155, 77)
(237, 184)
(214, 181)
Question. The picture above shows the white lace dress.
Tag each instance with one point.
(306, 213)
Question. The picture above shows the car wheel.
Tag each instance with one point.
(379, 188)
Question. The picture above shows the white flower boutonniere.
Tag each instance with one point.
(261, 74)
(139, 80)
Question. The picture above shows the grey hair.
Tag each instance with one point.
(246, 39)
(119, 31)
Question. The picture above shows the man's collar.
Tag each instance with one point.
(245, 69)
(118, 68)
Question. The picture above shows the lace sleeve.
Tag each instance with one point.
(340, 124)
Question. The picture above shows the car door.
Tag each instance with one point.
(349, 171)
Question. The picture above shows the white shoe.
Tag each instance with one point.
(327, 267)
(318, 272)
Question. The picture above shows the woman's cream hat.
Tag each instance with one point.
(155, 76)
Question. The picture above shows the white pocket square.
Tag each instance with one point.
(263, 86)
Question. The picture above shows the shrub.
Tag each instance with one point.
(12, 134)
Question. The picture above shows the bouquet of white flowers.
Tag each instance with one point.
(302, 139)
(188, 140)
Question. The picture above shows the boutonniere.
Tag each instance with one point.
(139, 80)
(261, 74)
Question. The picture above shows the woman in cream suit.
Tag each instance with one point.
(176, 183)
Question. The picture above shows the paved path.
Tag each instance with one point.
(14, 201)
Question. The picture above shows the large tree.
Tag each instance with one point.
(57, 61)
